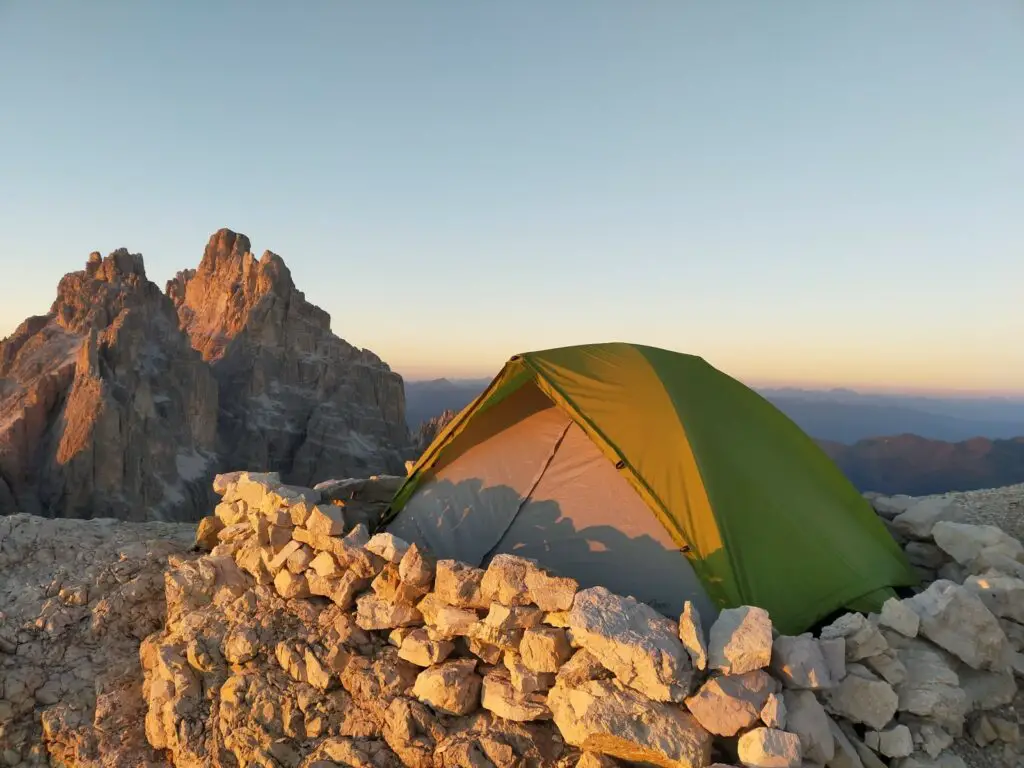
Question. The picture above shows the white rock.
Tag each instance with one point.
(919, 519)
(956, 619)
(887, 666)
(899, 616)
(799, 663)
(446, 619)
(807, 718)
(987, 690)
(550, 593)
(862, 638)
(635, 642)
(691, 634)
(500, 697)
(374, 613)
(452, 687)
(388, 546)
(833, 650)
(416, 568)
(1003, 595)
(325, 565)
(895, 742)
(727, 704)
(605, 716)
(291, 585)
(524, 679)
(417, 648)
(519, 617)
(325, 520)
(932, 687)
(773, 713)
(544, 649)
(862, 700)
(740, 640)
(770, 748)
(965, 542)
(458, 584)
(504, 580)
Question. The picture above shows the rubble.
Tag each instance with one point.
(388, 657)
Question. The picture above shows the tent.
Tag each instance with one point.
(655, 475)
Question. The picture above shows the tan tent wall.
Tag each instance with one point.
(532, 483)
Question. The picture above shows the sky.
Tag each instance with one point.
(814, 194)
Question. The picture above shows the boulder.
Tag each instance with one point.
(524, 679)
(691, 634)
(550, 593)
(374, 613)
(965, 542)
(500, 697)
(452, 687)
(894, 742)
(987, 690)
(206, 532)
(863, 639)
(446, 620)
(504, 580)
(607, 717)
(773, 713)
(931, 688)
(325, 565)
(639, 645)
(872, 702)
(417, 568)
(808, 720)
(387, 546)
(1002, 595)
(519, 617)
(956, 619)
(459, 584)
(770, 748)
(325, 520)
(833, 650)
(897, 615)
(887, 666)
(291, 585)
(728, 704)
(544, 649)
(740, 640)
(417, 648)
(799, 663)
(890, 506)
(919, 519)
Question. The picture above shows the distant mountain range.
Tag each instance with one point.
(889, 443)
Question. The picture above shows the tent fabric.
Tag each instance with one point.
(765, 517)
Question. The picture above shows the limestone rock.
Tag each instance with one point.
(773, 713)
(965, 543)
(897, 615)
(607, 717)
(446, 620)
(798, 662)
(769, 748)
(388, 546)
(325, 520)
(691, 634)
(544, 649)
(417, 568)
(417, 648)
(894, 742)
(808, 720)
(374, 613)
(919, 519)
(864, 700)
(550, 593)
(499, 696)
(636, 643)
(956, 619)
(863, 639)
(524, 679)
(726, 705)
(206, 532)
(932, 687)
(504, 580)
(740, 640)
(833, 650)
(1002, 595)
(459, 584)
(452, 687)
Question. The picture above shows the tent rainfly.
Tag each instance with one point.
(655, 475)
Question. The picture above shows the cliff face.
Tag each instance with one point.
(123, 401)
(106, 410)
(294, 397)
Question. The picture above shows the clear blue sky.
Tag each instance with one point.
(815, 193)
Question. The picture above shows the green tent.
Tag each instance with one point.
(636, 468)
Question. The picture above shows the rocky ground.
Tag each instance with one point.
(294, 638)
